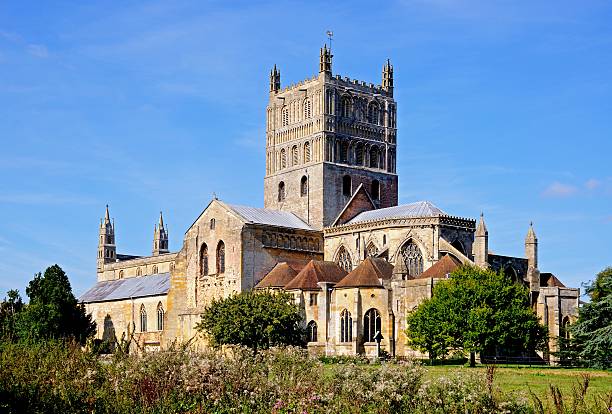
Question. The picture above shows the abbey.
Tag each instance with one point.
(331, 232)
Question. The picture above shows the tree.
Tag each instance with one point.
(591, 335)
(253, 319)
(53, 311)
(475, 310)
(9, 310)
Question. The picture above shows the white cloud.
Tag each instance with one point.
(558, 189)
(592, 184)
(39, 51)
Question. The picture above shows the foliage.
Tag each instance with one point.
(592, 333)
(9, 309)
(52, 312)
(475, 310)
(257, 320)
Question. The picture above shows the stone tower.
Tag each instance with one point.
(160, 237)
(107, 251)
(324, 137)
(531, 252)
(481, 244)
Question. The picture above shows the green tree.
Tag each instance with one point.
(591, 335)
(257, 320)
(53, 311)
(474, 311)
(9, 311)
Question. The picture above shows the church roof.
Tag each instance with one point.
(132, 287)
(441, 269)
(314, 272)
(550, 280)
(369, 273)
(418, 209)
(278, 277)
(270, 217)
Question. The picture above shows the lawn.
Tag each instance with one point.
(537, 380)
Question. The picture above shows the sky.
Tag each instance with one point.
(504, 108)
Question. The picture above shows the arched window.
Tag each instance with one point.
(374, 161)
(344, 259)
(413, 258)
(160, 317)
(565, 328)
(346, 186)
(345, 107)
(221, 257)
(212, 223)
(359, 154)
(304, 186)
(138, 271)
(307, 109)
(311, 331)
(346, 326)
(121, 274)
(371, 250)
(511, 273)
(344, 152)
(306, 152)
(155, 270)
(283, 159)
(459, 246)
(143, 319)
(281, 191)
(294, 155)
(371, 325)
(376, 190)
(203, 260)
(285, 116)
(373, 113)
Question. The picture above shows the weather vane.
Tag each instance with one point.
(330, 35)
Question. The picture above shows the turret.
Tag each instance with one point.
(107, 251)
(531, 252)
(387, 78)
(481, 244)
(325, 60)
(275, 82)
(160, 237)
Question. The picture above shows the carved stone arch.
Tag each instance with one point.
(343, 258)
(413, 257)
(458, 244)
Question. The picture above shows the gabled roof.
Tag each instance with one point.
(418, 209)
(278, 277)
(278, 218)
(441, 269)
(550, 280)
(360, 194)
(369, 273)
(314, 272)
(131, 287)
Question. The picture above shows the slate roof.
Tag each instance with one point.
(368, 274)
(441, 268)
(418, 209)
(131, 287)
(278, 277)
(316, 271)
(269, 217)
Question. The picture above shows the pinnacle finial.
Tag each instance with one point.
(531, 236)
(161, 220)
(107, 215)
(481, 229)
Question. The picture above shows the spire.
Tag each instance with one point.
(161, 220)
(106, 215)
(325, 60)
(481, 229)
(107, 251)
(531, 248)
(160, 237)
(387, 77)
(531, 236)
(275, 82)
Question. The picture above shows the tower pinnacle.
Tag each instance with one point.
(160, 237)
(325, 60)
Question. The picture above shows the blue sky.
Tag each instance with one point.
(504, 107)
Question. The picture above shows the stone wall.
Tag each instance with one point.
(140, 266)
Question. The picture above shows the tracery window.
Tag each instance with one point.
(143, 319)
(221, 257)
(281, 191)
(283, 159)
(311, 331)
(413, 258)
(344, 259)
(371, 250)
(371, 325)
(203, 260)
(304, 186)
(294, 155)
(160, 317)
(346, 326)
(345, 107)
(306, 152)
